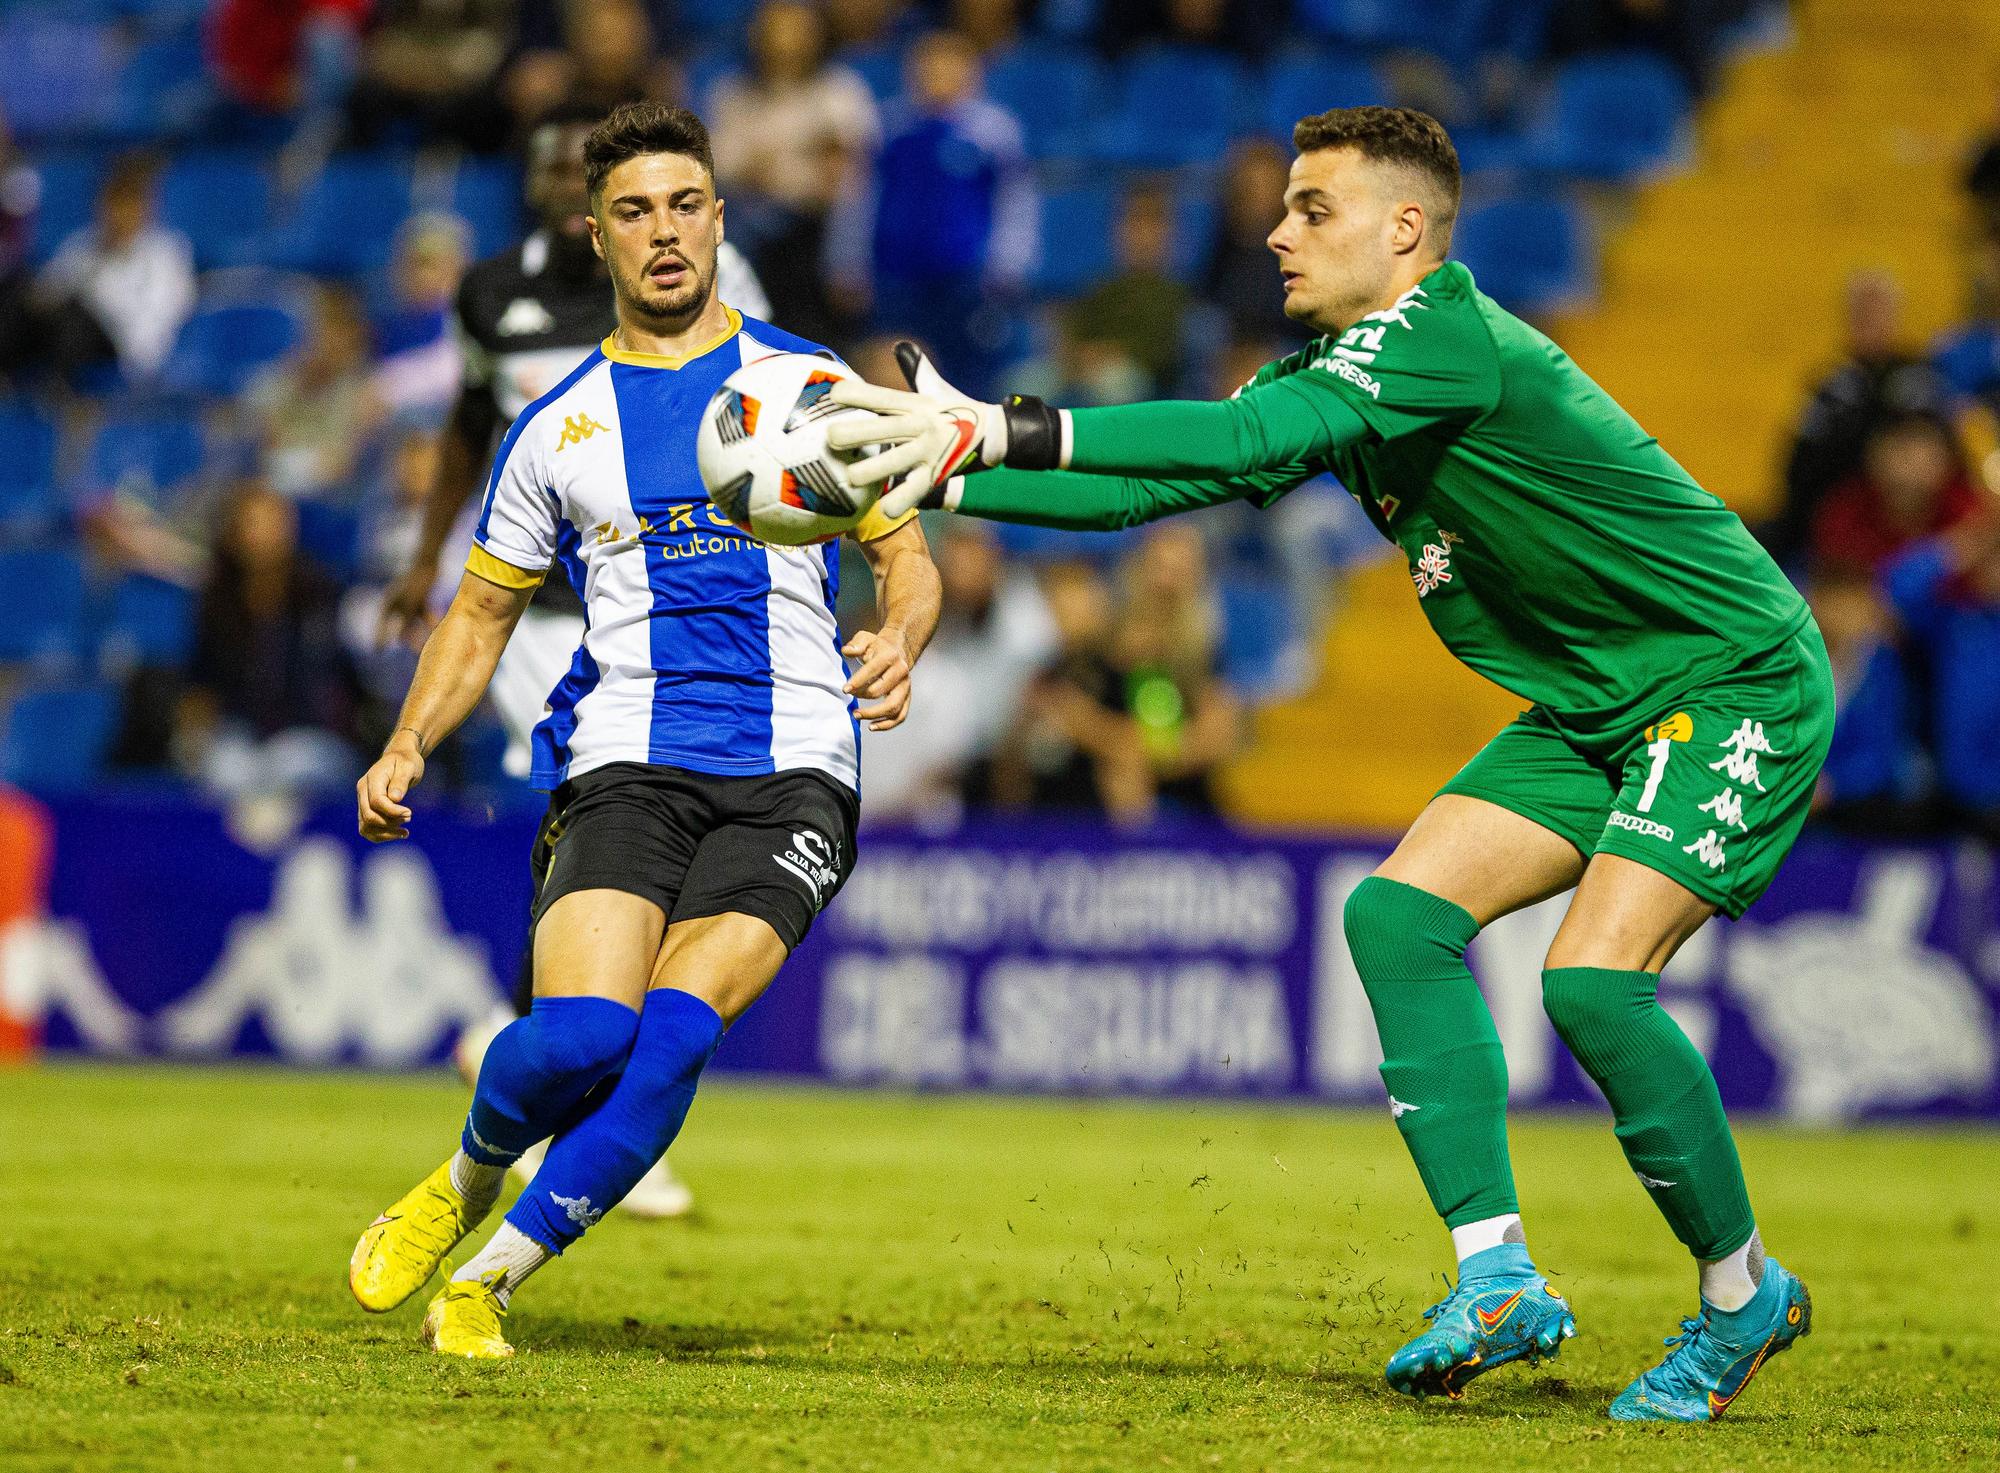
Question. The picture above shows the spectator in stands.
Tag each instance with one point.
(316, 412)
(990, 25)
(1244, 26)
(417, 357)
(943, 233)
(119, 289)
(994, 636)
(790, 137)
(860, 25)
(1071, 745)
(1946, 592)
(1685, 32)
(1141, 310)
(1082, 371)
(789, 129)
(1912, 485)
(20, 200)
(1982, 178)
(269, 700)
(1880, 378)
(1968, 357)
(427, 73)
(1241, 276)
(607, 57)
(1872, 780)
(273, 58)
(1166, 647)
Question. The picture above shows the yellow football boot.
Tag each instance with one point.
(464, 1319)
(403, 1247)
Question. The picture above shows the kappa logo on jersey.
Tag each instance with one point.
(815, 859)
(524, 317)
(1638, 825)
(1432, 569)
(1708, 849)
(1361, 342)
(1399, 1108)
(578, 428)
(1745, 745)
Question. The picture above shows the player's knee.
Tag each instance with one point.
(581, 1039)
(1591, 1007)
(1398, 933)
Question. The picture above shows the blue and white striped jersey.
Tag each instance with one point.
(703, 648)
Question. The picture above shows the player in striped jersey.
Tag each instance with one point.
(703, 751)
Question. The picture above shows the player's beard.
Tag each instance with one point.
(677, 306)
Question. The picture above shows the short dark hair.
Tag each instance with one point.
(636, 129)
(1393, 135)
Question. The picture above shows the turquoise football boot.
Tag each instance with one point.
(1501, 1311)
(1714, 1357)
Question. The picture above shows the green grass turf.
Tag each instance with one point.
(896, 1282)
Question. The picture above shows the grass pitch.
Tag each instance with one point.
(895, 1282)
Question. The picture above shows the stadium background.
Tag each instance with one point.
(1107, 854)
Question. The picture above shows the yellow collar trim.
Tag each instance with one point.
(609, 347)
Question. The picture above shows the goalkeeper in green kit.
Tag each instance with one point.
(1682, 705)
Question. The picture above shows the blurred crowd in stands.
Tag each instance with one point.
(231, 236)
(1889, 520)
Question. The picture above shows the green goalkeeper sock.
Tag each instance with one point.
(1441, 1057)
(1663, 1098)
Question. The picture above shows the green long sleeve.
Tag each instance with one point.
(1085, 503)
(1276, 424)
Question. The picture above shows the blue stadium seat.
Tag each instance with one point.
(1173, 105)
(151, 622)
(41, 604)
(346, 219)
(1531, 255)
(58, 76)
(219, 201)
(331, 536)
(1457, 30)
(711, 18)
(1258, 637)
(28, 502)
(1055, 90)
(1299, 85)
(145, 454)
(57, 736)
(69, 194)
(880, 66)
(486, 193)
(163, 90)
(1611, 117)
(222, 347)
(1076, 238)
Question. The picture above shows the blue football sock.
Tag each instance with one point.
(591, 1168)
(539, 1069)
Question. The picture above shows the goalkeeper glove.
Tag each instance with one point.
(933, 432)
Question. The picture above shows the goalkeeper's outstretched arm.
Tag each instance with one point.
(1183, 453)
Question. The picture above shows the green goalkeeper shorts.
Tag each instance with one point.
(1710, 789)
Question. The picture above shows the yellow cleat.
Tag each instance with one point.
(464, 1319)
(403, 1247)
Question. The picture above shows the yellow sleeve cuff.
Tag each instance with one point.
(483, 564)
(874, 525)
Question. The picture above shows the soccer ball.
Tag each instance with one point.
(763, 455)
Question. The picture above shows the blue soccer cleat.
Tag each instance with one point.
(1714, 1357)
(1501, 1311)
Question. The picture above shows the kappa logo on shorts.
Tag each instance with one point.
(815, 859)
(1639, 825)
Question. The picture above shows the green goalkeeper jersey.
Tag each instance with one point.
(1554, 546)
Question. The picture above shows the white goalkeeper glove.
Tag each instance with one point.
(933, 432)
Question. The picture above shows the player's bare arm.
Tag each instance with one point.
(456, 664)
(909, 594)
